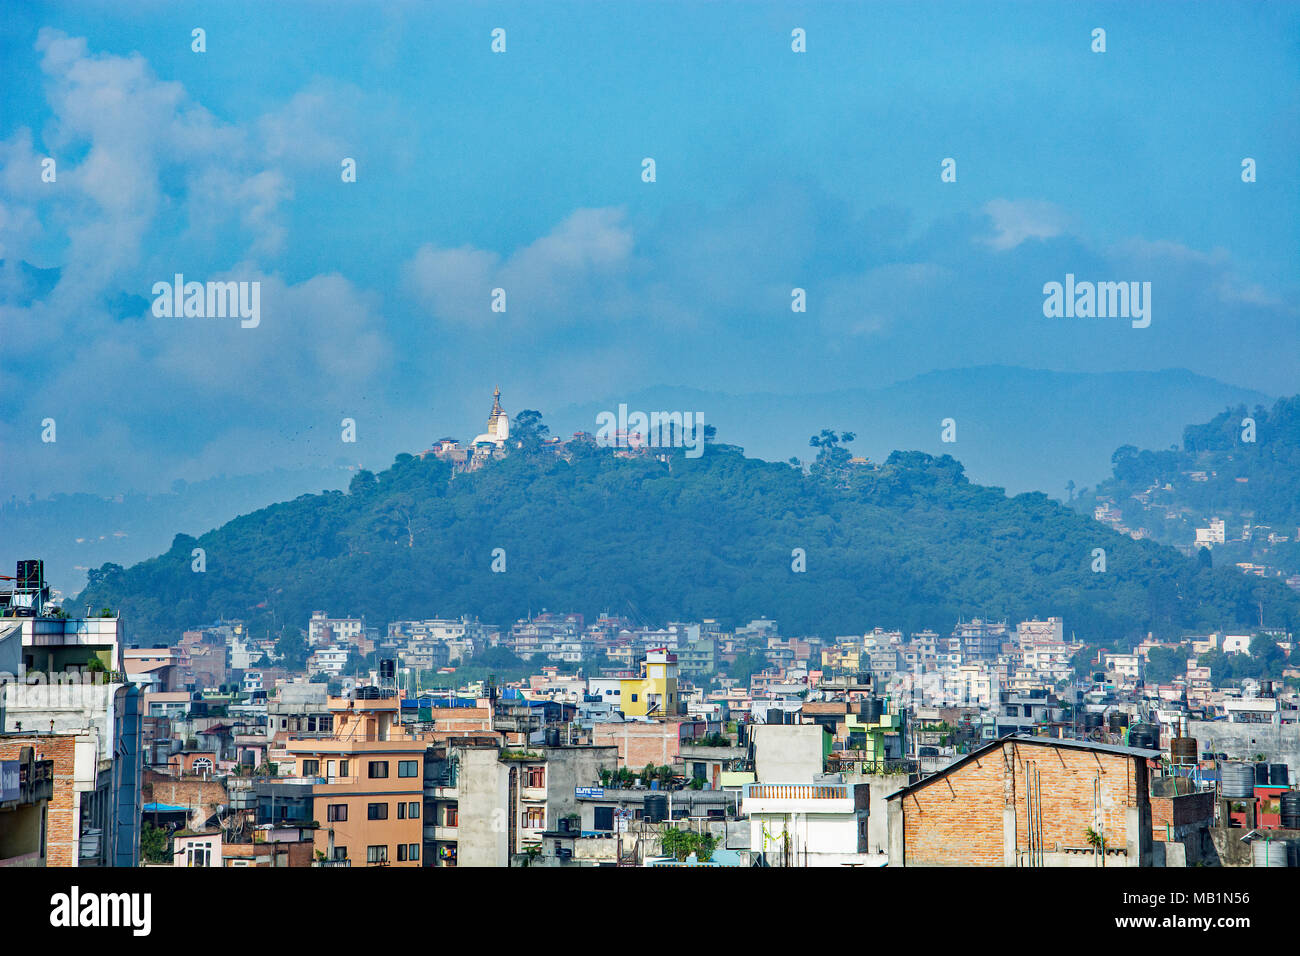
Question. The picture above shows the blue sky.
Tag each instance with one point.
(522, 170)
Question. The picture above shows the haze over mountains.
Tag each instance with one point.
(1019, 429)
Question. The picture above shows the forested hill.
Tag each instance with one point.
(908, 544)
(1243, 466)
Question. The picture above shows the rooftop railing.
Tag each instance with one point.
(796, 791)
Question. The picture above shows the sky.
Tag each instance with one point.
(522, 170)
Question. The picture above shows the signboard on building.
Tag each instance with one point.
(9, 780)
(597, 792)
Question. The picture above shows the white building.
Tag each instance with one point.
(323, 629)
(809, 824)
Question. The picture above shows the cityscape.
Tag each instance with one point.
(860, 439)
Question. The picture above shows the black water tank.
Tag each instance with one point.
(1291, 810)
(1261, 775)
(656, 807)
(1278, 776)
(1144, 736)
(1092, 721)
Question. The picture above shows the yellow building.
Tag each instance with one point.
(654, 693)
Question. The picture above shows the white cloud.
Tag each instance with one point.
(556, 276)
(1018, 220)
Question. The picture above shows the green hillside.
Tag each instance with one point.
(908, 544)
(1218, 473)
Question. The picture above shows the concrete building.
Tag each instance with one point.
(485, 804)
(789, 753)
(654, 692)
(72, 683)
(26, 795)
(367, 782)
(810, 824)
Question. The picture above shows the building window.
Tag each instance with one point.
(408, 768)
(401, 810)
(343, 768)
(336, 813)
(378, 769)
(311, 768)
(534, 818)
(376, 854)
(536, 777)
(413, 810)
(413, 852)
(634, 698)
(340, 853)
(377, 811)
(452, 818)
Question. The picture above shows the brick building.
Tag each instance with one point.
(641, 742)
(1026, 801)
(59, 809)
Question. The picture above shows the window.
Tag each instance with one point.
(413, 852)
(604, 820)
(340, 853)
(401, 813)
(401, 853)
(536, 777)
(408, 768)
(452, 818)
(329, 769)
(377, 811)
(634, 698)
(336, 813)
(378, 769)
(414, 810)
(343, 768)
(376, 854)
(534, 818)
(311, 768)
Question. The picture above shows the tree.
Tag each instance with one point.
(154, 844)
(527, 430)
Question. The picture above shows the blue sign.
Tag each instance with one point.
(597, 792)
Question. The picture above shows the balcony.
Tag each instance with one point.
(803, 798)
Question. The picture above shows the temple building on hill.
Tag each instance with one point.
(498, 426)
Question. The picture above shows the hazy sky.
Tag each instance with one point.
(523, 170)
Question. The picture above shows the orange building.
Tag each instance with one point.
(368, 783)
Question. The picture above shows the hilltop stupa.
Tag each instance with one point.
(498, 425)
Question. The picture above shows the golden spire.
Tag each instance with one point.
(496, 413)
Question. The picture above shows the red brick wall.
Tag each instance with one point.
(62, 823)
(957, 818)
(1172, 813)
(181, 792)
(962, 825)
(639, 744)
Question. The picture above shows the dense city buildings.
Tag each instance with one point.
(452, 742)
